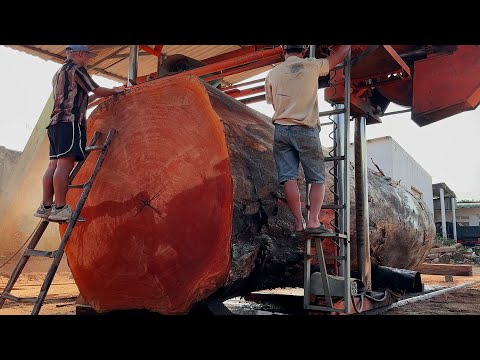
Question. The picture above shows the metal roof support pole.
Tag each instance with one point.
(161, 58)
(442, 207)
(339, 174)
(454, 219)
(361, 203)
(132, 70)
(312, 51)
(346, 183)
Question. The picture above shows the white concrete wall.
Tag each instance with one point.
(472, 216)
(380, 150)
(8, 160)
(406, 169)
(396, 163)
(23, 192)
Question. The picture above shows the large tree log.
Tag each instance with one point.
(182, 209)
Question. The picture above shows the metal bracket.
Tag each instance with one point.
(399, 60)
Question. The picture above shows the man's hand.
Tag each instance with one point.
(104, 92)
(120, 89)
(338, 55)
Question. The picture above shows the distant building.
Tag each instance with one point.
(448, 212)
(468, 213)
(396, 163)
(444, 204)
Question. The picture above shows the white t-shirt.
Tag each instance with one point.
(292, 88)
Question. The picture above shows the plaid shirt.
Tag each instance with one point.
(71, 85)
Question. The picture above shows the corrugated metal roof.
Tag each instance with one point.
(112, 60)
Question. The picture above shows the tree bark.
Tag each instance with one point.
(183, 209)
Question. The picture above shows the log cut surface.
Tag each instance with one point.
(159, 213)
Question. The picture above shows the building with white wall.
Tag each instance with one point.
(444, 205)
(396, 163)
(448, 210)
(468, 213)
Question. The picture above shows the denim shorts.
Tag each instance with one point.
(297, 144)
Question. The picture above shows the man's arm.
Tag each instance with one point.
(89, 85)
(338, 56)
(104, 92)
(268, 92)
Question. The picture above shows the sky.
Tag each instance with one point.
(449, 150)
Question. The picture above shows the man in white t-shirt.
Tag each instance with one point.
(291, 87)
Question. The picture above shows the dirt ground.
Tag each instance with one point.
(63, 293)
(464, 301)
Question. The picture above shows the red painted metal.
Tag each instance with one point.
(359, 103)
(446, 84)
(239, 69)
(236, 86)
(233, 54)
(236, 93)
(358, 305)
(378, 62)
(399, 60)
(231, 63)
(398, 91)
(253, 99)
(148, 49)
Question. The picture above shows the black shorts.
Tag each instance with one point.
(67, 139)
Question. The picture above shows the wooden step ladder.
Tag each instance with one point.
(58, 253)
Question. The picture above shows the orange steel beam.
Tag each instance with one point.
(150, 50)
(239, 93)
(255, 65)
(158, 49)
(231, 63)
(253, 99)
(399, 60)
(242, 84)
(232, 54)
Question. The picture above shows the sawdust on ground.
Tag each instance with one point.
(464, 301)
(61, 296)
(63, 292)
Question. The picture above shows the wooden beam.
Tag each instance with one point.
(101, 47)
(445, 269)
(232, 54)
(61, 59)
(99, 61)
(443, 249)
(115, 76)
(41, 51)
